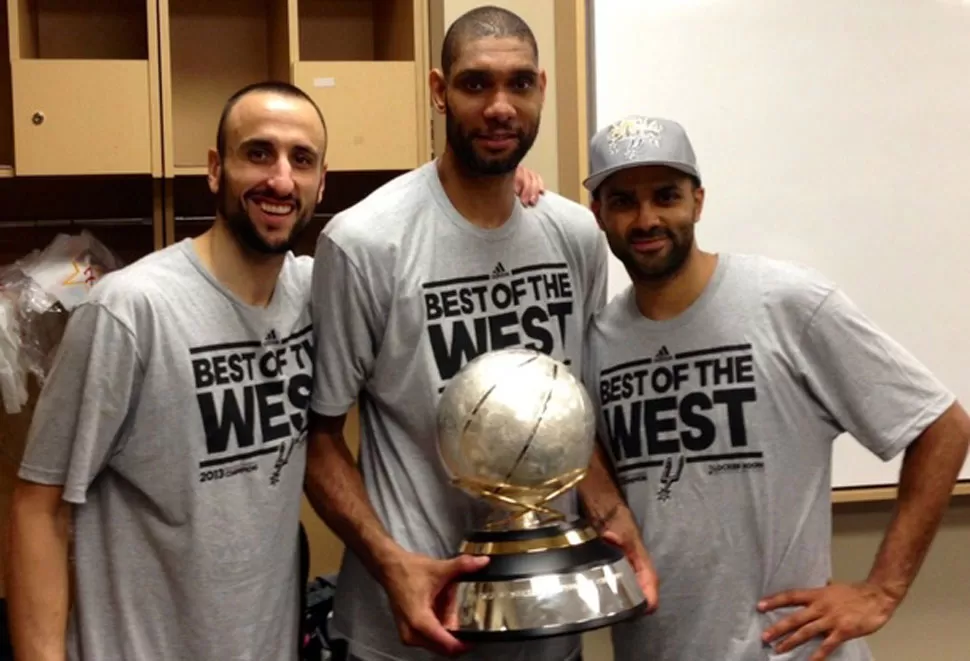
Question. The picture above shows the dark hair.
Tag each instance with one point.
(276, 87)
(485, 21)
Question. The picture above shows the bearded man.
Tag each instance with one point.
(431, 270)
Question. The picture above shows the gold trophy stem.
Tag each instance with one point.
(491, 491)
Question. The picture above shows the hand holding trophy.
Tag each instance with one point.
(517, 429)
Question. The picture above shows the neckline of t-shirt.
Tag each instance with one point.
(188, 250)
(508, 228)
(691, 313)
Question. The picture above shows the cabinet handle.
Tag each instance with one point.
(38, 118)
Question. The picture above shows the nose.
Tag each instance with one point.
(649, 216)
(281, 178)
(500, 108)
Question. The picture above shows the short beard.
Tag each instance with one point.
(463, 146)
(244, 229)
(672, 264)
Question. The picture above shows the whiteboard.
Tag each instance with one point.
(832, 133)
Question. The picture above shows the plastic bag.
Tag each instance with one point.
(37, 293)
(318, 643)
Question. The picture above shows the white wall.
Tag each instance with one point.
(829, 132)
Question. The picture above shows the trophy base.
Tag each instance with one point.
(554, 580)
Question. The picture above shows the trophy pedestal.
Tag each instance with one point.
(555, 579)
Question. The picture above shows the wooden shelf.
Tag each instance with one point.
(118, 210)
(358, 58)
(81, 29)
(209, 50)
(190, 171)
(119, 87)
(874, 494)
(356, 30)
(370, 112)
(83, 84)
(6, 97)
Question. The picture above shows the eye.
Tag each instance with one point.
(303, 159)
(523, 83)
(668, 196)
(620, 201)
(258, 154)
(473, 82)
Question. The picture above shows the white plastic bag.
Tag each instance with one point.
(68, 268)
(37, 293)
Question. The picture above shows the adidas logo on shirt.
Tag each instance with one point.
(500, 271)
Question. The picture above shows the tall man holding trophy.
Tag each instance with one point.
(410, 286)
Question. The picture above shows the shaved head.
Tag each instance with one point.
(270, 86)
(481, 22)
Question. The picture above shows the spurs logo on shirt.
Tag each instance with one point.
(529, 306)
(672, 410)
(253, 398)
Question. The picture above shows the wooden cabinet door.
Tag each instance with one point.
(370, 109)
(75, 117)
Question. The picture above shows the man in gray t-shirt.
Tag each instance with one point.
(721, 382)
(433, 269)
(173, 425)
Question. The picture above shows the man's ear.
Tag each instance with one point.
(438, 85)
(699, 196)
(214, 168)
(323, 183)
(596, 207)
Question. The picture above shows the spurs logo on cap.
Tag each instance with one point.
(634, 131)
(637, 140)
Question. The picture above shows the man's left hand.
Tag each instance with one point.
(837, 613)
(621, 531)
(528, 185)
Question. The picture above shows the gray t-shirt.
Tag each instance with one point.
(720, 423)
(175, 419)
(406, 292)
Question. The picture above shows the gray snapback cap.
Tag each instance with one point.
(636, 140)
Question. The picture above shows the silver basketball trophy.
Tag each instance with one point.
(517, 429)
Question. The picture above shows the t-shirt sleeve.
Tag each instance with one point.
(873, 387)
(81, 413)
(597, 296)
(589, 371)
(347, 328)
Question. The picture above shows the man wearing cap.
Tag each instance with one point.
(722, 381)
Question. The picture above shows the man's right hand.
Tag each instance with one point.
(422, 594)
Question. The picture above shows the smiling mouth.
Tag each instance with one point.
(500, 138)
(651, 244)
(275, 208)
